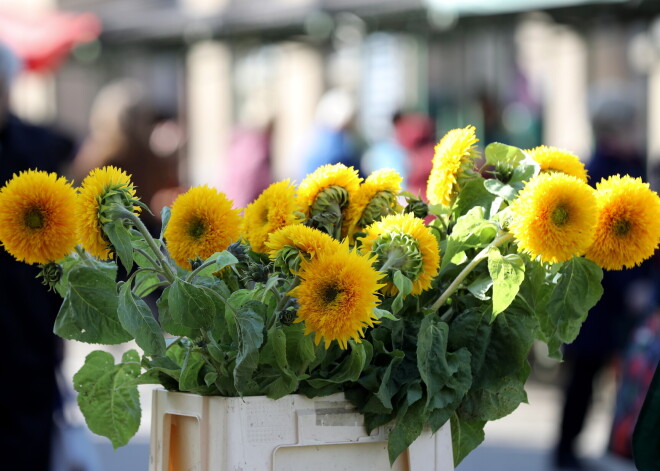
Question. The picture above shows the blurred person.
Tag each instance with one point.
(32, 354)
(127, 131)
(605, 331)
(387, 153)
(409, 151)
(249, 170)
(331, 139)
(417, 135)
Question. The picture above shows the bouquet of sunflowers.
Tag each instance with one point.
(419, 313)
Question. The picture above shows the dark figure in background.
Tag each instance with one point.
(31, 352)
(127, 131)
(604, 333)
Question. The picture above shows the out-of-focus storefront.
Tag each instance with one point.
(523, 72)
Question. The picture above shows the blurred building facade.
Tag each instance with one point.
(520, 71)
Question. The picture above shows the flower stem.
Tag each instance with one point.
(139, 225)
(468, 268)
(194, 273)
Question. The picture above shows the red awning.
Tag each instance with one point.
(43, 40)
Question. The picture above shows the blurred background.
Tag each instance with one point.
(189, 92)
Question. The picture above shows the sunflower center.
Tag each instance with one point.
(560, 215)
(34, 218)
(622, 228)
(330, 292)
(196, 228)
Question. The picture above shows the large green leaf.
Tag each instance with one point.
(190, 305)
(508, 273)
(170, 325)
(471, 230)
(473, 194)
(299, 347)
(499, 154)
(89, 311)
(136, 317)
(192, 377)
(447, 375)
(465, 437)
(408, 426)
(349, 369)
(108, 395)
(250, 324)
(281, 380)
(577, 291)
(222, 259)
(120, 238)
(498, 380)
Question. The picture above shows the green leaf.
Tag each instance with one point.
(165, 215)
(168, 324)
(190, 305)
(508, 273)
(348, 370)
(383, 314)
(146, 282)
(472, 195)
(192, 377)
(408, 426)
(222, 259)
(404, 285)
(209, 378)
(497, 153)
(299, 347)
(138, 320)
(578, 290)
(89, 311)
(250, 323)
(108, 396)
(471, 230)
(165, 365)
(465, 437)
(139, 243)
(120, 238)
(282, 380)
(502, 350)
(503, 190)
(447, 375)
(480, 287)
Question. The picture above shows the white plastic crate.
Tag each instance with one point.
(295, 433)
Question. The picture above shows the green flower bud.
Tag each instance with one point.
(326, 212)
(398, 251)
(51, 274)
(418, 207)
(382, 204)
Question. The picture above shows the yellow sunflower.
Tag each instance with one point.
(274, 209)
(374, 199)
(37, 224)
(554, 217)
(295, 242)
(628, 227)
(337, 296)
(453, 155)
(202, 222)
(324, 196)
(402, 242)
(98, 189)
(552, 159)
